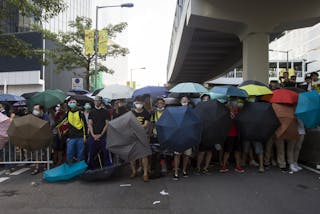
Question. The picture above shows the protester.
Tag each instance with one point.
(143, 117)
(232, 143)
(315, 81)
(87, 108)
(185, 102)
(77, 131)
(204, 151)
(98, 124)
(307, 84)
(120, 108)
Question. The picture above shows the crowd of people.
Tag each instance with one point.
(80, 133)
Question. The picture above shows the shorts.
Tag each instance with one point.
(258, 147)
(232, 144)
(205, 148)
(188, 152)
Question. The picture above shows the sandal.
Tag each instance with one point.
(35, 171)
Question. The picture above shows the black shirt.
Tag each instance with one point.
(98, 117)
(142, 116)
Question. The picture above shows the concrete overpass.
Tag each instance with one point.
(211, 37)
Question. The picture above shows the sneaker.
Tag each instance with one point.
(239, 169)
(261, 169)
(197, 171)
(224, 169)
(253, 163)
(293, 168)
(175, 177)
(185, 175)
(298, 167)
(205, 171)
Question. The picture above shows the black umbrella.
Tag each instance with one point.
(257, 122)
(100, 174)
(216, 122)
(28, 95)
(252, 82)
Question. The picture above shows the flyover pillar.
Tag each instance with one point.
(256, 57)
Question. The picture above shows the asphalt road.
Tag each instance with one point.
(230, 193)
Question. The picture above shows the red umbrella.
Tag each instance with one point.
(284, 96)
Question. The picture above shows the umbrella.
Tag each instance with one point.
(284, 96)
(216, 121)
(20, 103)
(308, 108)
(215, 96)
(65, 171)
(127, 138)
(100, 174)
(257, 121)
(81, 98)
(4, 125)
(188, 87)
(114, 92)
(252, 82)
(153, 91)
(256, 90)
(28, 95)
(289, 124)
(172, 101)
(48, 98)
(179, 95)
(229, 91)
(78, 91)
(295, 89)
(30, 132)
(179, 128)
(10, 98)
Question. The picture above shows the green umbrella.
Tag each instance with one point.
(48, 98)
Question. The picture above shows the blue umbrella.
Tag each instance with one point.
(308, 108)
(153, 91)
(179, 129)
(10, 98)
(229, 91)
(188, 87)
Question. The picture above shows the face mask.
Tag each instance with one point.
(139, 106)
(251, 99)
(87, 107)
(57, 108)
(240, 104)
(160, 109)
(72, 105)
(184, 104)
(205, 100)
(36, 113)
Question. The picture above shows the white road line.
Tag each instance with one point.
(18, 172)
(3, 179)
(310, 169)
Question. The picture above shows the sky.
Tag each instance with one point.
(148, 38)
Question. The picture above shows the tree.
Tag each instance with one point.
(70, 53)
(38, 11)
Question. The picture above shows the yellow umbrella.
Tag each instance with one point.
(256, 90)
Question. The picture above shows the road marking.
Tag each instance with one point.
(310, 169)
(18, 172)
(3, 179)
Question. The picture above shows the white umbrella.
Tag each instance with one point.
(113, 92)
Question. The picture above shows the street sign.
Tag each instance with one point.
(77, 83)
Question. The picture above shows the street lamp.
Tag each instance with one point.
(286, 52)
(132, 69)
(96, 36)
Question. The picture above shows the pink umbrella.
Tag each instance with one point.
(4, 125)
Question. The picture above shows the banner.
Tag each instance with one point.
(89, 42)
(103, 42)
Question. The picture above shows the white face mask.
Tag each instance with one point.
(160, 109)
(184, 104)
(36, 113)
(139, 106)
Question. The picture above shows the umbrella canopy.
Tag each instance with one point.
(81, 99)
(20, 103)
(252, 82)
(10, 98)
(284, 96)
(216, 122)
(48, 98)
(188, 87)
(78, 91)
(308, 108)
(288, 129)
(179, 128)
(65, 171)
(229, 91)
(4, 125)
(127, 138)
(153, 91)
(257, 122)
(30, 132)
(100, 174)
(256, 90)
(29, 94)
(295, 89)
(114, 92)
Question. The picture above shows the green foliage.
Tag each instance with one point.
(37, 10)
(70, 51)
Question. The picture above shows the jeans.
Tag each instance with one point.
(75, 148)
